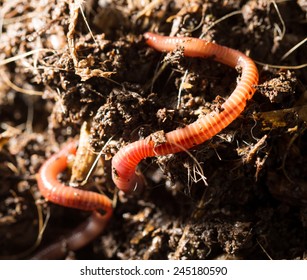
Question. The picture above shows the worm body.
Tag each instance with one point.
(126, 160)
(58, 193)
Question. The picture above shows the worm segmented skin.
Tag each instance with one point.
(67, 196)
(58, 193)
(126, 160)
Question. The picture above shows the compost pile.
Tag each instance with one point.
(240, 195)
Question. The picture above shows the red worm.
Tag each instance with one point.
(126, 160)
(58, 193)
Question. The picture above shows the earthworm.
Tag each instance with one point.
(125, 161)
(55, 191)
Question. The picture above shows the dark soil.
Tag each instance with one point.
(252, 203)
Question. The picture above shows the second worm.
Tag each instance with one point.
(55, 191)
